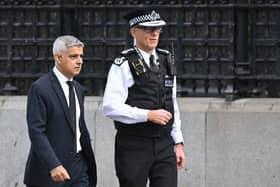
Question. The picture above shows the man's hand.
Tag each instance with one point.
(180, 156)
(159, 116)
(59, 174)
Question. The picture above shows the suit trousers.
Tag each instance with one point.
(78, 174)
(139, 159)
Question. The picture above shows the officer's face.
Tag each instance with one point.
(70, 62)
(146, 37)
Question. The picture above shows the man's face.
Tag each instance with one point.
(70, 62)
(146, 37)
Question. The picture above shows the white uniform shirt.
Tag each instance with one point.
(119, 80)
(63, 83)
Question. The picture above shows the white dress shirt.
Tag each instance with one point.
(63, 83)
(119, 80)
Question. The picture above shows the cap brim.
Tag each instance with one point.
(158, 23)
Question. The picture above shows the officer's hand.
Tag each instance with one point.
(59, 174)
(159, 116)
(180, 156)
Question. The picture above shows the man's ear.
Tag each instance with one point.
(57, 58)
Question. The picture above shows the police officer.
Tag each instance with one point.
(140, 97)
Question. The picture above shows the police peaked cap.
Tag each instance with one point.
(145, 18)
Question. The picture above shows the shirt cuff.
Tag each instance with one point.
(142, 115)
(177, 137)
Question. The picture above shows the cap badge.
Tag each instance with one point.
(154, 16)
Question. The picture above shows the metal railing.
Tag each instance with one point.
(223, 48)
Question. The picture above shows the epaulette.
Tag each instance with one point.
(122, 58)
(127, 51)
(163, 51)
(119, 60)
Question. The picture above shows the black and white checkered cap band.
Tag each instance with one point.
(152, 17)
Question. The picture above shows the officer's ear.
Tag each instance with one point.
(133, 31)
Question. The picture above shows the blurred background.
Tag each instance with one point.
(223, 48)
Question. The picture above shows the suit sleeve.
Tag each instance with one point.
(37, 123)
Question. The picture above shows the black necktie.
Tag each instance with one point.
(153, 65)
(72, 109)
(72, 105)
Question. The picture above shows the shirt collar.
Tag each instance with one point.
(61, 78)
(146, 55)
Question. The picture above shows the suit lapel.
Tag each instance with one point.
(62, 99)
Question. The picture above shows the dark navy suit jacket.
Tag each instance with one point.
(50, 132)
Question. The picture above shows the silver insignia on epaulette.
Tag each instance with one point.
(163, 51)
(124, 52)
(119, 60)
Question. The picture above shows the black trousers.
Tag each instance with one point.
(138, 159)
(78, 174)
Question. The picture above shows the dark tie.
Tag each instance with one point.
(72, 107)
(153, 65)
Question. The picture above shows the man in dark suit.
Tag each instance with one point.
(61, 152)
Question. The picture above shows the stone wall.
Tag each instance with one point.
(227, 144)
